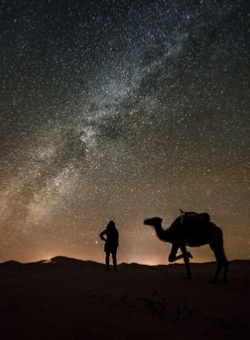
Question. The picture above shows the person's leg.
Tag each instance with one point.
(114, 260)
(107, 259)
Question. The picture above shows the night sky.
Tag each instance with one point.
(122, 110)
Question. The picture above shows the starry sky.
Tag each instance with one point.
(122, 110)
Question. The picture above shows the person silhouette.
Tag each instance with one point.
(111, 243)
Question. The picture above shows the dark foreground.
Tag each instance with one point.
(72, 299)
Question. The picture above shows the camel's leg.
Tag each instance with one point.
(172, 257)
(218, 269)
(221, 262)
(225, 265)
(186, 256)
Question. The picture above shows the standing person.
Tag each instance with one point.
(111, 243)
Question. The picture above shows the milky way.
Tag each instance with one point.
(122, 110)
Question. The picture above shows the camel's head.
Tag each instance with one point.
(153, 222)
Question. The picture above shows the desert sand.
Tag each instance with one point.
(71, 299)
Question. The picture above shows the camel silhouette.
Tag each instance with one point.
(192, 231)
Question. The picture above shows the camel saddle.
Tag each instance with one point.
(194, 217)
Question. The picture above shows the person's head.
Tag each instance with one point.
(111, 225)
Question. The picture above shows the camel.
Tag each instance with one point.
(192, 232)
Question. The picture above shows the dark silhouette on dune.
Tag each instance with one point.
(193, 230)
(111, 243)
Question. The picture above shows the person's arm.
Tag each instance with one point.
(102, 235)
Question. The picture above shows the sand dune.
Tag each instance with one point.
(72, 299)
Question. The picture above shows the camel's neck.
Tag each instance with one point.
(163, 235)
